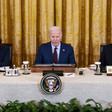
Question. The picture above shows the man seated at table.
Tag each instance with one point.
(106, 56)
(4, 54)
(55, 51)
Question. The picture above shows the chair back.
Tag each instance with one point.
(10, 52)
(102, 69)
(102, 47)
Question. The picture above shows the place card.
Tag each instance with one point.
(109, 70)
(12, 72)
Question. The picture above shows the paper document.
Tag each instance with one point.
(2, 69)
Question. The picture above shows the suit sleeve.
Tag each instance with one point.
(71, 57)
(5, 57)
(39, 57)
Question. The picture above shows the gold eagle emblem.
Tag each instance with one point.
(50, 83)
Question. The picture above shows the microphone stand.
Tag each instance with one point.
(53, 67)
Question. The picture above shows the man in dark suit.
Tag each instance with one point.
(4, 54)
(106, 55)
(65, 52)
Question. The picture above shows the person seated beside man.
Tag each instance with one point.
(106, 56)
(4, 54)
(55, 51)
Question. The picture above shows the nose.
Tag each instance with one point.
(55, 38)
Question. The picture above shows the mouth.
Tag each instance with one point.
(55, 42)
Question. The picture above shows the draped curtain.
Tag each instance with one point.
(86, 24)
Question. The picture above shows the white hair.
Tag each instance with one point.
(55, 28)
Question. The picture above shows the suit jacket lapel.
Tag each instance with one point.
(50, 52)
(61, 53)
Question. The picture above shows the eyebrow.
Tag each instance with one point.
(55, 36)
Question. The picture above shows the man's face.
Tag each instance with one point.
(55, 37)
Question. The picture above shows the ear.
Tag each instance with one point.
(61, 38)
(49, 37)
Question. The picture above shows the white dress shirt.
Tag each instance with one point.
(58, 49)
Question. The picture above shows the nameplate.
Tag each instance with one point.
(109, 70)
(59, 73)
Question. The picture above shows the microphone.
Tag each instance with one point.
(53, 67)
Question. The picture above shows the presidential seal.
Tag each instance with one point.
(51, 83)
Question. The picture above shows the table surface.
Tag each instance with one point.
(88, 77)
(27, 87)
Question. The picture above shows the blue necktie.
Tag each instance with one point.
(55, 59)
